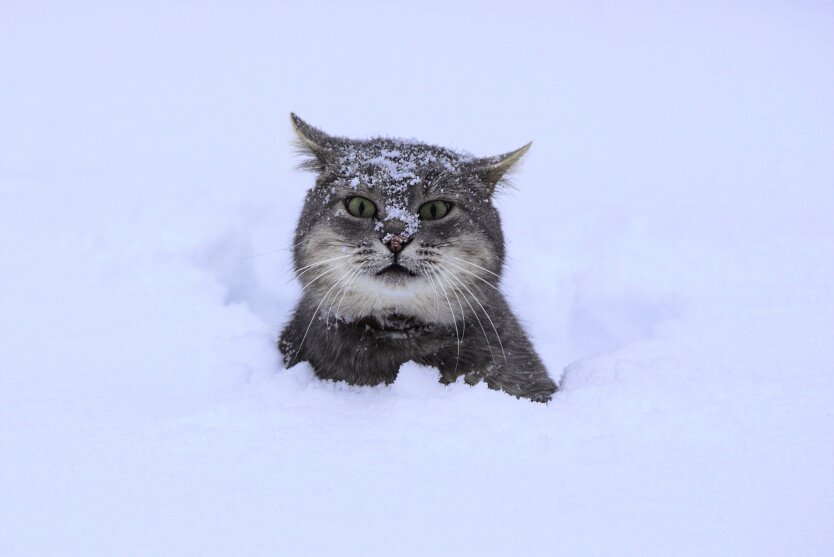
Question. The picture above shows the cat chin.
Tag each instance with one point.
(412, 297)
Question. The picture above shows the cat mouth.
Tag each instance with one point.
(396, 271)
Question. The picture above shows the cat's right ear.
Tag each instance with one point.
(492, 170)
(316, 146)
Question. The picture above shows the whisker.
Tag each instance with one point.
(462, 315)
(301, 270)
(469, 263)
(475, 313)
(298, 243)
(434, 290)
(343, 281)
(343, 290)
(501, 344)
(290, 248)
(310, 324)
(322, 274)
(350, 282)
(477, 277)
(454, 321)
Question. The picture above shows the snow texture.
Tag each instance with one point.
(394, 169)
(670, 247)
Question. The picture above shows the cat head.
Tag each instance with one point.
(397, 228)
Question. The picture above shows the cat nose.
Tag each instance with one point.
(395, 235)
(395, 243)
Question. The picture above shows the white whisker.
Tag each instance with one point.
(302, 270)
(310, 324)
(477, 277)
(501, 344)
(455, 291)
(343, 281)
(434, 289)
(454, 321)
(322, 274)
(475, 313)
(343, 290)
(469, 263)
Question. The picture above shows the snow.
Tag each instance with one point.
(670, 245)
(397, 212)
(394, 169)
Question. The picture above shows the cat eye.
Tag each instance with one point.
(361, 207)
(434, 210)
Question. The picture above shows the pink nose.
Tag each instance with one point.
(396, 243)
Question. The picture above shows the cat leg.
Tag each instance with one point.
(511, 366)
(535, 384)
(512, 378)
(333, 354)
(359, 376)
(290, 340)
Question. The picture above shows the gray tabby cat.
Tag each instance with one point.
(400, 252)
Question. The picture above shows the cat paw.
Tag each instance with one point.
(538, 388)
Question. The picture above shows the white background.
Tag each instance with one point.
(671, 244)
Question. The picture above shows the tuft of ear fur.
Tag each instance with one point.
(313, 144)
(492, 170)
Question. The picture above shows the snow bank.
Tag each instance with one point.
(670, 249)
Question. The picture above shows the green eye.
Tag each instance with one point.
(434, 210)
(361, 207)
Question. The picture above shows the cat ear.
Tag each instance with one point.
(314, 144)
(491, 170)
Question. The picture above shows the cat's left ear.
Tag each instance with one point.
(491, 170)
(317, 146)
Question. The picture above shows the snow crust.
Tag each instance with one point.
(670, 249)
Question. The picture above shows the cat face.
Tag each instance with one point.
(398, 231)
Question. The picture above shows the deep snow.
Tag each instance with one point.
(670, 244)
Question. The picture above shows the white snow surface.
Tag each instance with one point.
(670, 240)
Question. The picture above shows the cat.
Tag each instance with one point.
(400, 252)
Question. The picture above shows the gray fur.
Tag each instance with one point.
(442, 307)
